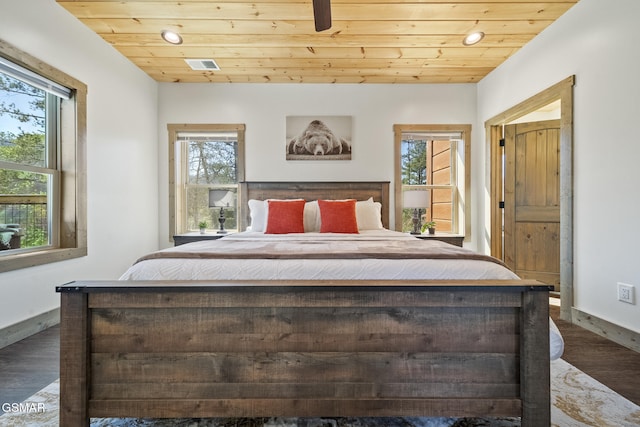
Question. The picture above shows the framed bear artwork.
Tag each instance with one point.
(318, 137)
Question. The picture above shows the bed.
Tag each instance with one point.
(319, 325)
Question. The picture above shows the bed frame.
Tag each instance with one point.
(304, 348)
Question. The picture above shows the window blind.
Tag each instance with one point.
(431, 136)
(208, 136)
(16, 71)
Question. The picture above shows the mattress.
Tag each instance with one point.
(205, 260)
(334, 268)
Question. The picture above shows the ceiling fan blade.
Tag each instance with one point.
(322, 14)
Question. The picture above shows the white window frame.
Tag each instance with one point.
(68, 210)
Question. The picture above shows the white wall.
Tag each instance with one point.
(595, 41)
(121, 154)
(264, 107)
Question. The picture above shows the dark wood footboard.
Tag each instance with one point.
(304, 348)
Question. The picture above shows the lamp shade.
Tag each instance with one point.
(221, 199)
(415, 199)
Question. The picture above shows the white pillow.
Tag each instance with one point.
(258, 213)
(368, 214)
(311, 217)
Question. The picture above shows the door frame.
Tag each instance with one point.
(562, 91)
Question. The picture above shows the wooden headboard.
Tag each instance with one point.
(309, 191)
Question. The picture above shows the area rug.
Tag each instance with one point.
(577, 400)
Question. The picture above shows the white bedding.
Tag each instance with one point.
(313, 269)
(322, 269)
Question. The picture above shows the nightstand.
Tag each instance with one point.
(181, 239)
(454, 239)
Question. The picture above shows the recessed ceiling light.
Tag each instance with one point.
(171, 37)
(473, 38)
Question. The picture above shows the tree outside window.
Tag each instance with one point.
(211, 164)
(25, 171)
(414, 173)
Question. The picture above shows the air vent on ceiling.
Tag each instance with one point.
(203, 64)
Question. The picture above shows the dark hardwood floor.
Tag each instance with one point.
(613, 365)
(31, 364)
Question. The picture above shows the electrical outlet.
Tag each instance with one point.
(626, 293)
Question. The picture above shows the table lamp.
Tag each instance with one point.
(416, 199)
(221, 199)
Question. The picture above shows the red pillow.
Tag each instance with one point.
(338, 216)
(285, 216)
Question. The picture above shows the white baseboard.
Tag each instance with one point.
(608, 330)
(28, 327)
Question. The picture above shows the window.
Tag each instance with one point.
(434, 158)
(42, 178)
(204, 158)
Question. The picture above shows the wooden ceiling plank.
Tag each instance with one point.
(293, 54)
(170, 64)
(303, 40)
(275, 78)
(301, 27)
(450, 71)
(292, 11)
(330, 52)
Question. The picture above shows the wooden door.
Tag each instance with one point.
(532, 201)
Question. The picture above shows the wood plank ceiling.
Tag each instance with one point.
(370, 41)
